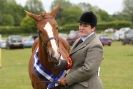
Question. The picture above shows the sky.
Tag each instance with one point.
(110, 6)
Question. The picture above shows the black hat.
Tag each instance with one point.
(89, 18)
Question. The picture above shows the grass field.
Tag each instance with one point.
(116, 69)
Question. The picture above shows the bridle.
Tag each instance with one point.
(48, 40)
(45, 44)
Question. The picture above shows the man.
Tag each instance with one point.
(86, 57)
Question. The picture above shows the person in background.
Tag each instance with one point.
(87, 55)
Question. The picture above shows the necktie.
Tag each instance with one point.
(79, 42)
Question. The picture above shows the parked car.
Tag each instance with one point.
(120, 34)
(28, 42)
(109, 30)
(105, 40)
(2, 44)
(128, 38)
(14, 41)
(73, 35)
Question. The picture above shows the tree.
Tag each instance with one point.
(85, 6)
(10, 13)
(7, 20)
(28, 24)
(101, 14)
(120, 17)
(128, 9)
(69, 13)
(34, 6)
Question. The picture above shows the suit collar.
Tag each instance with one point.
(83, 44)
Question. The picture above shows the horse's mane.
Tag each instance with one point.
(65, 44)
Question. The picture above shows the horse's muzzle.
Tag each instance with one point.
(62, 64)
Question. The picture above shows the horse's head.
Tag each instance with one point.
(48, 31)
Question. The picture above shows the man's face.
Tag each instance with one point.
(85, 29)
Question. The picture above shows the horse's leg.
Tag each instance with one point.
(31, 71)
(37, 83)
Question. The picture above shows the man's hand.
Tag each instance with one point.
(62, 82)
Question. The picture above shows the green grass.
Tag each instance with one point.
(14, 71)
(116, 68)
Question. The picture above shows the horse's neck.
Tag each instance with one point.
(43, 56)
(65, 45)
(44, 60)
(42, 53)
(64, 48)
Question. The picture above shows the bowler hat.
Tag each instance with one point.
(89, 18)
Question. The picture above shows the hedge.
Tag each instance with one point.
(15, 30)
(100, 27)
(10, 30)
(114, 24)
(66, 28)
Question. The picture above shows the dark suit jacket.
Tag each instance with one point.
(86, 58)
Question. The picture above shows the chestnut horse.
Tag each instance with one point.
(47, 50)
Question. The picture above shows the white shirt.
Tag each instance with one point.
(84, 38)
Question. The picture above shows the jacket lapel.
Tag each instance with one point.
(83, 44)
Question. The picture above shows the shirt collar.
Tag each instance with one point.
(84, 38)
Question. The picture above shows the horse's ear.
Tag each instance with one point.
(55, 10)
(32, 15)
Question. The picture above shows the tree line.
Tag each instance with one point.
(13, 15)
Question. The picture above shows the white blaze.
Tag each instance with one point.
(48, 29)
